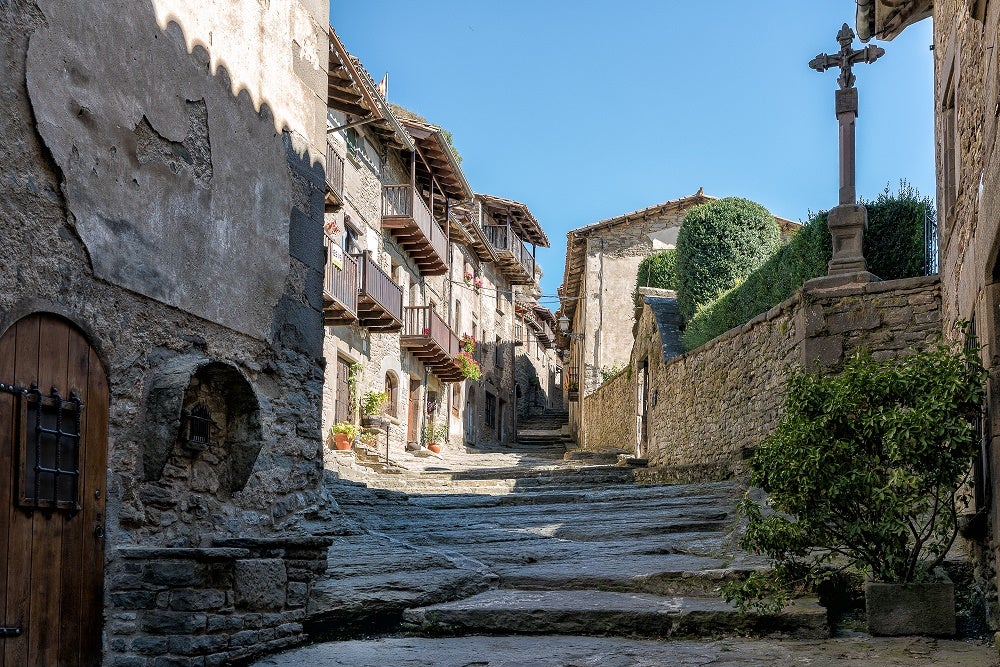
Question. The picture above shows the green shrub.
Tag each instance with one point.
(720, 243)
(863, 472)
(658, 270)
(894, 240)
(804, 257)
(893, 246)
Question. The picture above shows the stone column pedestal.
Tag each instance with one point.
(847, 226)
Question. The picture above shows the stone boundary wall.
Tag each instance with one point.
(720, 400)
(711, 406)
(609, 414)
(210, 606)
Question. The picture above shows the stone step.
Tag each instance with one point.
(505, 612)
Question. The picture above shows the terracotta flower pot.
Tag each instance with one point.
(342, 441)
(434, 447)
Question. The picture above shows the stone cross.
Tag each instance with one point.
(847, 220)
(846, 101)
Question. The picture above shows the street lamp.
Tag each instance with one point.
(564, 329)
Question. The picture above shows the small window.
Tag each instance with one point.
(498, 353)
(457, 322)
(49, 450)
(456, 398)
(392, 391)
(351, 235)
(199, 435)
(499, 300)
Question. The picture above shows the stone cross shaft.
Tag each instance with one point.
(846, 101)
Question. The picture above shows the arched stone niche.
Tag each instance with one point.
(203, 427)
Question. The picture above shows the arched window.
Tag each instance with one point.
(392, 391)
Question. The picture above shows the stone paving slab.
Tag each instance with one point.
(546, 651)
(608, 613)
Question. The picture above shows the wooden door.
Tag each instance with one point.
(413, 412)
(53, 460)
(342, 394)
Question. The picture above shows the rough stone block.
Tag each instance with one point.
(171, 573)
(198, 644)
(297, 594)
(260, 583)
(134, 599)
(910, 609)
(149, 645)
(220, 623)
(197, 600)
(853, 321)
(173, 622)
(128, 661)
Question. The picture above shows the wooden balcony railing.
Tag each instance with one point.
(340, 285)
(431, 340)
(334, 172)
(546, 335)
(518, 334)
(503, 238)
(381, 299)
(405, 212)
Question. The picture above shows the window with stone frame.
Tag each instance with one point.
(351, 236)
(951, 154)
(392, 391)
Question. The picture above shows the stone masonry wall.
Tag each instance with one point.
(711, 405)
(609, 417)
(210, 606)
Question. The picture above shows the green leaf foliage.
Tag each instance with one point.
(804, 257)
(658, 270)
(862, 472)
(894, 248)
(894, 240)
(720, 243)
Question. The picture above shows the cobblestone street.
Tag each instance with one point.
(531, 556)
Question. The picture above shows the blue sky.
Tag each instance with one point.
(585, 110)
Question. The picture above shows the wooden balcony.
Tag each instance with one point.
(340, 286)
(430, 339)
(380, 299)
(410, 223)
(514, 259)
(334, 179)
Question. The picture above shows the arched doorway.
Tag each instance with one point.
(53, 461)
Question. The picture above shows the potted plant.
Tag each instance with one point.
(436, 434)
(344, 434)
(470, 368)
(369, 437)
(373, 406)
(863, 473)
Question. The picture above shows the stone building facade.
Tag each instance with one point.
(469, 275)
(161, 286)
(602, 261)
(697, 415)
(967, 122)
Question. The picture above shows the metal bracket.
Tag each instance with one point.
(10, 632)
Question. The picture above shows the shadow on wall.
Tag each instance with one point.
(172, 191)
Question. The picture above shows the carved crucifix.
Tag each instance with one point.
(847, 101)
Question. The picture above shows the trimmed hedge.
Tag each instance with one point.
(721, 243)
(894, 248)
(804, 257)
(658, 270)
(894, 240)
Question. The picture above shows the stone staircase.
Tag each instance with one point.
(523, 542)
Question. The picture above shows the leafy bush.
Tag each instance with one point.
(862, 472)
(720, 243)
(612, 371)
(658, 270)
(894, 240)
(893, 246)
(804, 257)
(374, 403)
